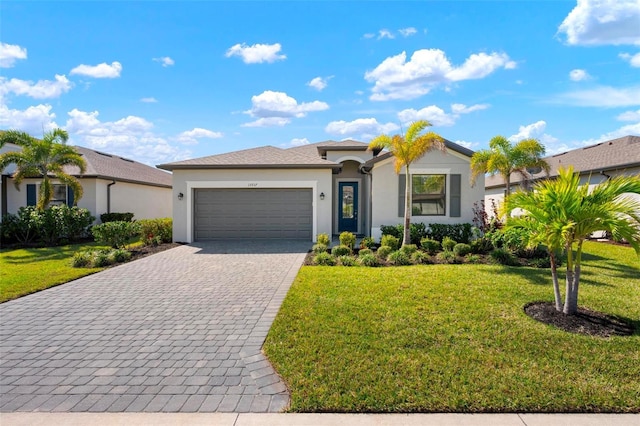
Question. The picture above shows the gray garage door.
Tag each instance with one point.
(253, 213)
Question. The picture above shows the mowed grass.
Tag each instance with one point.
(25, 271)
(455, 338)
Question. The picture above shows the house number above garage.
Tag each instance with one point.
(252, 184)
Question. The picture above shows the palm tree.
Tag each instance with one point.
(406, 149)
(44, 158)
(504, 158)
(561, 213)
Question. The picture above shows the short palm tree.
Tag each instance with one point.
(504, 158)
(561, 214)
(44, 158)
(406, 149)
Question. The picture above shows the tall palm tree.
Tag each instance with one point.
(504, 158)
(44, 158)
(561, 213)
(406, 149)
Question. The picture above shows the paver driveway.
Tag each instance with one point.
(179, 331)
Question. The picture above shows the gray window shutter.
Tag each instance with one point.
(32, 198)
(69, 196)
(455, 195)
(402, 187)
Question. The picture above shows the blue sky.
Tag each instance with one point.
(165, 81)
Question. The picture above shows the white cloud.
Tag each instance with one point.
(277, 109)
(406, 32)
(10, 53)
(299, 142)
(602, 96)
(102, 70)
(150, 100)
(535, 131)
(437, 116)
(43, 89)
(468, 145)
(257, 53)
(385, 33)
(463, 109)
(578, 75)
(191, 137)
(397, 78)
(602, 22)
(319, 83)
(365, 128)
(369, 35)
(629, 129)
(165, 61)
(634, 60)
(32, 120)
(629, 116)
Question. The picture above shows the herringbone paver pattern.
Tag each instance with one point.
(179, 331)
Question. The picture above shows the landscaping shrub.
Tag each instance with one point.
(368, 260)
(82, 259)
(383, 252)
(409, 249)
(417, 231)
(461, 249)
(420, 258)
(448, 256)
(348, 239)
(429, 245)
(116, 217)
(393, 230)
(503, 257)
(340, 250)
(367, 243)
(324, 259)
(21, 227)
(154, 232)
(448, 243)
(102, 258)
(319, 248)
(390, 241)
(512, 239)
(324, 239)
(481, 245)
(99, 258)
(541, 262)
(347, 261)
(364, 252)
(399, 258)
(115, 234)
(120, 255)
(472, 258)
(461, 232)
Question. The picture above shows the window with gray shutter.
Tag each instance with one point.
(402, 189)
(455, 197)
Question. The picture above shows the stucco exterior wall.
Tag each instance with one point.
(385, 190)
(186, 181)
(144, 201)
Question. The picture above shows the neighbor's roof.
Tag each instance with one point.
(255, 158)
(447, 143)
(616, 154)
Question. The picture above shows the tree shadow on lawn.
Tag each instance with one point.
(542, 276)
(39, 254)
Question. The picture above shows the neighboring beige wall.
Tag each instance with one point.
(185, 181)
(144, 201)
(385, 190)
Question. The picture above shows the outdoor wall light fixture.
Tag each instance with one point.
(180, 196)
(322, 195)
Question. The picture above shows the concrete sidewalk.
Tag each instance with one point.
(250, 419)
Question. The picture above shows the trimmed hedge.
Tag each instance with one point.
(116, 217)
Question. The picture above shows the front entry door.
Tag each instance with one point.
(348, 206)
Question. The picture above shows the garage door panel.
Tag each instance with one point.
(253, 213)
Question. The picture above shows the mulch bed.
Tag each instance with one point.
(586, 321)
(143, 251)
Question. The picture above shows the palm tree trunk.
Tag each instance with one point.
(556, 285)
(571, 301)
(407, 209)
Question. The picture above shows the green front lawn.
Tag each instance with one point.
(454, 338)
(26, 271)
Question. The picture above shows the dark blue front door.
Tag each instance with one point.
(348, 206)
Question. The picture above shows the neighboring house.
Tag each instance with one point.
(110, 184)
(327, 187)
(595, 163)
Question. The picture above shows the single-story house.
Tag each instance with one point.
(326, 187)
(111, 184)
(595, 163)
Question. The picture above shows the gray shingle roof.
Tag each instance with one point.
(262, 157)
(108, 166)
(616, 154)
(448, 144)
(319, 148)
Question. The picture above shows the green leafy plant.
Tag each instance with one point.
(367, 243)
(319, 248)
(472, 258)
(154, 232)
(364, 252)
(448, 243)
(448, 256)
(324, 239)
(116, 217)
(347, 260)
(82, 259)
(390, 241)
(348, 239)
(368, 260)
(383, 252)
(324, 259)
(115, 234)
(430, 246)
(409, 249)
(460, 232)
(420, 258)
(341, 250)
(399, 258)
(461, 249)
(503, 257)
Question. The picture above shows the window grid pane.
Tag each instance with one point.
(428, 195)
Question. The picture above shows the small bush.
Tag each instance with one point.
(383, 252)
(399, 258)
(101, 259)
(540, 262)
(82, 259)
(367, 243)
(120, 255)
(341, 250)
(154, 232)
(448, 243)
(324, 239)
(116, 217)
(390, 241)
(448, 256)
(364, 252)
(417, 231)
(472, 258)
(461, 232)
(368, 260)
(348, 239)
(420, 258)
(347, 261)
(115, 234)
(324, 259)
(461, 249)
(430, 246)
(503, 257)
(409, 249)
(481, 246)
(393, 230)
(320, 248)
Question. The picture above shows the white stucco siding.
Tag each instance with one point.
(341, 156)
(186, 181)
(144, 201)
(385, 191)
